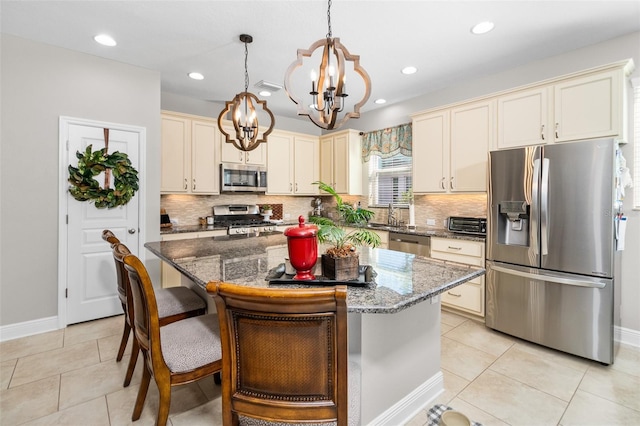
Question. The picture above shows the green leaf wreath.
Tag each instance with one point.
(92, 163)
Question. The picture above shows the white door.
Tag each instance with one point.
(91, 284)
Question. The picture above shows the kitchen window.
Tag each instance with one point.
(389, 180)
(388, 153)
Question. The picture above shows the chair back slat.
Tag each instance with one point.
(145, 308)
(287, 353)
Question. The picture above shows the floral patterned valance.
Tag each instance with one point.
(387, 142)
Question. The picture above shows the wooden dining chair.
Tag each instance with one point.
(285, 356)
(174, 303)
(175, 354)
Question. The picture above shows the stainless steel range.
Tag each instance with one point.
(241, 219)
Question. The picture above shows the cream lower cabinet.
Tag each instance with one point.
(341, 161)
(292, 164)
(467, 297)
(170, 276)
(189, 146)
(450, 148)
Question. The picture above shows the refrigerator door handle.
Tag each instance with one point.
(544, 208)
(535, 205)
(549, 278)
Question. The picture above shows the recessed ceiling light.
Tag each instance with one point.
(264, 93)
(380, 101)
(105, 40)
(196, 76)
(409, 70)
(482, 27)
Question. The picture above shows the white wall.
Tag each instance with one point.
(40, 83)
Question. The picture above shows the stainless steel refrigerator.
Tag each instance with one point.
(552, 264)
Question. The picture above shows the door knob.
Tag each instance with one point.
(132, 231)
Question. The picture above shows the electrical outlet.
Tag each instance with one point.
(431, 222)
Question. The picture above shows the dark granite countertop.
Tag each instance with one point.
(419, 230)
(402, 279)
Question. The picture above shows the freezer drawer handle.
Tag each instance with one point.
(558, 280)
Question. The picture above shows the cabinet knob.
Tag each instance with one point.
(185, 184)
(542, 132)
(296, 186)
(451, 183)
(442, 183)
(194, 185)
(131, 231)
(557, 131)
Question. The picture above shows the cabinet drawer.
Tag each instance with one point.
(462, 251)
(465, 296)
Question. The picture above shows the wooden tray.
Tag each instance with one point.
(277, 275)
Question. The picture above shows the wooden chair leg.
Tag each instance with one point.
(142, 394)
(125, 339)
(164, 403)
(135, 350)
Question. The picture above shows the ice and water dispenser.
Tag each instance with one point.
(513, 223)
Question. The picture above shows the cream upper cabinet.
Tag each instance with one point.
(189, 146)
(472, 135)
(450, 148)
(292, 163)
(588, 107)
(341, 161)
(523, 118)
(230, 154)
(430, 134)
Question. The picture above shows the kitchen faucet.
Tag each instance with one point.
(391, 218)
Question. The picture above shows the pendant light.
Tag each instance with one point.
(244, 116)
(328, 93)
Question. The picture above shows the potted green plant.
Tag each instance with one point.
(266, 209)
(341, 261)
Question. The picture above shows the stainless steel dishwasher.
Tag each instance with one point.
(409, 243)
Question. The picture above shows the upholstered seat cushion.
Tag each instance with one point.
(177, 300)
(191, 343)
(354, 404)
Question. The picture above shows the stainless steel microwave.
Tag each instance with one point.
(242, 178)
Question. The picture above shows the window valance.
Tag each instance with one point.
(387, 142)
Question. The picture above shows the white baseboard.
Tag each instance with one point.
(627, 336)
(408, 407)
(28, 328)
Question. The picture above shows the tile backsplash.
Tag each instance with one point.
(186, 209)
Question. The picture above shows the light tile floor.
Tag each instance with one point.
(70, 377)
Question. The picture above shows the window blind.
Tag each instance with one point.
(389, 180)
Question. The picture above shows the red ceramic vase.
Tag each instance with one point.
(303, 249)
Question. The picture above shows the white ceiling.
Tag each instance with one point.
(176, 37)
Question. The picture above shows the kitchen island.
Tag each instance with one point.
(394, 322)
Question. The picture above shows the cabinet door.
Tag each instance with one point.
(588, 107)
(305, 165)
(326, 161)
(258, 156)
(176, 159)
(228, 152)
(341, 164)
(204, 170)
(280, 164)
(472, 132)
(522, 119)
(430, 137)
